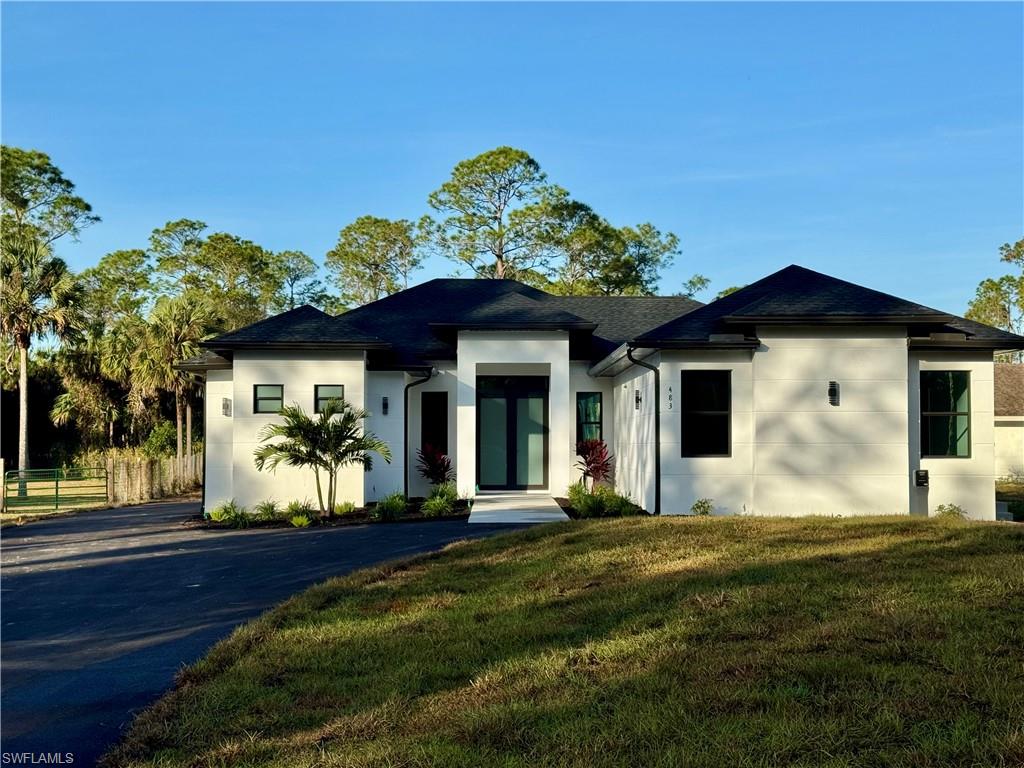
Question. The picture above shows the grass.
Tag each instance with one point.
(634, 641)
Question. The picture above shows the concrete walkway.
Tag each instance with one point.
(515, 508)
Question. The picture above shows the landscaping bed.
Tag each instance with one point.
(358, 516)
(693, 641)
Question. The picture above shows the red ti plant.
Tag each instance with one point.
(434, 465)
(595, 461)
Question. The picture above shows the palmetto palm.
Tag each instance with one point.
(38, 295)
(332, 440)
(172, 334)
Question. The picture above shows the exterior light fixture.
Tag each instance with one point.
(384, 405)
(833, 393)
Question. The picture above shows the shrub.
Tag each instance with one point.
(299, 521)
(434, 465)
(702, 507)
(267, 510)
(344, 508)
(303, 507)
(445, 490)
(602, 502)
(951, 511)
(437, 506)
(161, 441)
(390, 507)
(595, 461)
(232, 513)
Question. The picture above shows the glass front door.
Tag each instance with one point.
(512, 432)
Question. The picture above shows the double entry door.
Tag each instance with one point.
(512, 432)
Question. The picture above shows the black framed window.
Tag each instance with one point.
(705, 400)
(434, 421)
(588, 416)
(324, 393)
(267, 398)
(946, 414)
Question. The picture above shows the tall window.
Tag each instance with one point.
(267, 398)
(434, 421)
(946, 413)
(324, 393)
(588, 416)
(705, 399)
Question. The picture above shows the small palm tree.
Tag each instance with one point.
(172, 334)
(324, 443)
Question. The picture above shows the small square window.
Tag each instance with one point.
(267, 398)
(324, 393)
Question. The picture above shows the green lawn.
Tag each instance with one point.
(646, 642)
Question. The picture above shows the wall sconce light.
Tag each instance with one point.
(384, 405)
(833, 393)
(636, 399)
(225, 406)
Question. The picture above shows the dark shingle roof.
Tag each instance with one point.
(1009, 389)
(414, 320)
(800, 295)
(302, 326)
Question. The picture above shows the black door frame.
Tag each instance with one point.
(515, 387)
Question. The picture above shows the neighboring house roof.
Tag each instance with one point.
(1009, 389)
(797, 295)
(204, 361)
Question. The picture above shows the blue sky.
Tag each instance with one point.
(881, 143)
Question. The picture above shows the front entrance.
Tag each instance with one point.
(511, 432)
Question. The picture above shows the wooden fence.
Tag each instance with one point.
(131, 481)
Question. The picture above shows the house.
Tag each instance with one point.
(1009, 409)
(798, 394)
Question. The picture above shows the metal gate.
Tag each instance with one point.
(54, 489)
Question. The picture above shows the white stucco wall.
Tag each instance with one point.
(728, 480)
(633, 438)
(1009, 446)
(497, 352)
(967, 482)
(444, 380)
(218, 437)
(298, 372)
(811, 457)
(385, 478)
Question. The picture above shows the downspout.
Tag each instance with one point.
(405, 431)
(657, 425)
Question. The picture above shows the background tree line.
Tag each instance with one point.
(101, 374)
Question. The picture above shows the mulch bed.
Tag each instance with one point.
(359, 516)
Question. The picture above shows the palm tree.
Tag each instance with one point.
(325, 443)
(172, 334)
(38, 295)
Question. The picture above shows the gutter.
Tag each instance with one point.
(425, 377)
(657, 425)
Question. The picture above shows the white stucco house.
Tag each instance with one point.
(798, 394)
(1009, 410)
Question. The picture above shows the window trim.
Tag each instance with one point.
(600, 418)
(923, 414)
(316, 395)
(683, 412)
(256, 399)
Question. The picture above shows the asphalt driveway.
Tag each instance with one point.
(100, 610)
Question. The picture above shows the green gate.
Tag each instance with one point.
(38, 490)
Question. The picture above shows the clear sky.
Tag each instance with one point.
(878, 142)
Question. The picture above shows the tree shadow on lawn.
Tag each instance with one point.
(630, 642)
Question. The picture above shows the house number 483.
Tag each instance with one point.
(670, 397)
